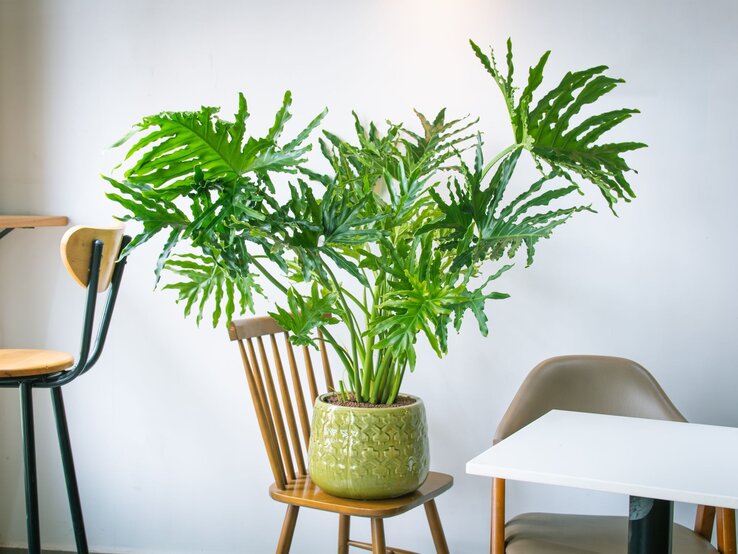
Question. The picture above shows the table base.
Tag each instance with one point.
(650, 526)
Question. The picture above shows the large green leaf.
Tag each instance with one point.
(551, 131)
(478, 224)
(202, 278)
(212, 165)
(419, 296)
(397, 237)
(155, 214)
(172, 144)
(306, 313)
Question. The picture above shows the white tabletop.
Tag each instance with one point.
(684, 462)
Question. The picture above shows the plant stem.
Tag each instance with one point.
(341, 351)
(350, 320)
(396, 384)
(359, 304)
(389, 380)
(368, 365)
(269, 276)
(379, 378)
(498, 157)
(369, 353)
(351, 369)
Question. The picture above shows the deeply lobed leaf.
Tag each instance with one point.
(420, 225)
(547, 129)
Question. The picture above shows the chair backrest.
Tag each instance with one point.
(597, 384)
(92, 257)
(276, 413)
(76, 249)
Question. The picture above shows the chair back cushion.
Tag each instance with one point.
(597, 384)
(76, 252)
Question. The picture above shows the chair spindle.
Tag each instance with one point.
(297, 386)
(326, 364)
(310, 374)
(262, 419)
(276, 413)
(288, 411)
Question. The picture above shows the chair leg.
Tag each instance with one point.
(726, 531)
(75, 506)
(497, 523)
(344, 527)
(434, 521)
(29, 458)
(288, 530)
(378, 546)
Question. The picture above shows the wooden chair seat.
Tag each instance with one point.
(24, 363)
(303, 492)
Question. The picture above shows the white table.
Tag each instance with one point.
(646, 459)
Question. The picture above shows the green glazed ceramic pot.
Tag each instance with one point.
(368, 453)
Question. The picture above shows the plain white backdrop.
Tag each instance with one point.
(168, 453)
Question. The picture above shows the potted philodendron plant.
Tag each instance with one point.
(396, 242)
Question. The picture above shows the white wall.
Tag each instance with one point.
(168, 452)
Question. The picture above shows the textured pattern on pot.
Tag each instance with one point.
(368, 453)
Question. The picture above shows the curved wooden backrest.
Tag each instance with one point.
(276, 414)
(76, 252)
(596, 384)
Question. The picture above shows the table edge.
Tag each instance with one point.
(484, 470)
(30, 221)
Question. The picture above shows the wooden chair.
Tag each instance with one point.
(605, 385)
(286, 437)
(90, 257)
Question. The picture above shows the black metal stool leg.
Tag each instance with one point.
(70, 476)
(29, 459)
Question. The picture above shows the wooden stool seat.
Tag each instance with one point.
(23, 363)
(303, 492)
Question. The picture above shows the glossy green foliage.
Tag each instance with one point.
(200, 179)
(548, 129)
(402, 236)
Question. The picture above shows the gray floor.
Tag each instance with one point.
(24, 551)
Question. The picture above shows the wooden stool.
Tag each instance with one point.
(90, 255)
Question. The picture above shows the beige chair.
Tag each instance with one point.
(597, 384)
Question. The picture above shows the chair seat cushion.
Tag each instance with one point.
(25, 363)
(537, 533)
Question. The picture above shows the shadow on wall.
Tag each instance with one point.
(22, 171)
(23, 178)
